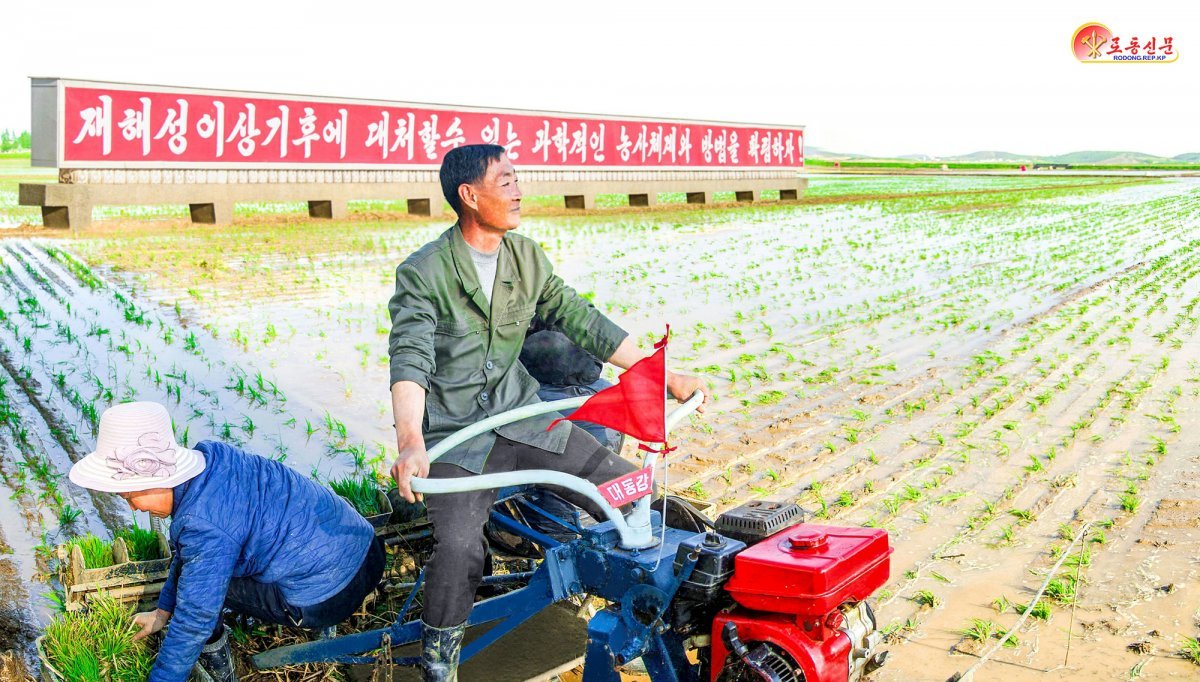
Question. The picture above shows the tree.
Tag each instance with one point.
(12, 141)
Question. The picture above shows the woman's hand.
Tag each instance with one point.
(150, 622)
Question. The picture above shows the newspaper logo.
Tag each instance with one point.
(1095, 43)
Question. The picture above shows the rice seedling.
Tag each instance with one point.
(927, 598)
(1024, 516)
(1010, 643)
(1001, 604)
(892, 503)
(949, 498)
(97, 552)
(1083, 558)
(334, 427)
(1040, 610)
(980, 630)
(1160, 446)
(362, 493)
(68, 515)
(1130, 502)
(1189, 650)
(142, 543)
(1062, 590)
(97, 645)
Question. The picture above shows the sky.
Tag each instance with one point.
(878, 78)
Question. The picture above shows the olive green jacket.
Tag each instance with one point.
(463, 352)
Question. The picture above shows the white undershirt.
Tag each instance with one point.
(485, 267)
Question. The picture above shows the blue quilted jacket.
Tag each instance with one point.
(246, 516)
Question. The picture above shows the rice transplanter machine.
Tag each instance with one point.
(759, 596)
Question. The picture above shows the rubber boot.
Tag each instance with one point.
(217, 660)
(439, 652)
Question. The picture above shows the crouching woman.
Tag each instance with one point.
(247, 533)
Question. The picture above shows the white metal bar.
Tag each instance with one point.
(635, 531)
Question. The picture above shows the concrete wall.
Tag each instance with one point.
(212, 194)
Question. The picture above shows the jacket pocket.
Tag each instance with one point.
(521, 314)
(458, 328)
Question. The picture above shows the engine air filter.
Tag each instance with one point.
(759, 519)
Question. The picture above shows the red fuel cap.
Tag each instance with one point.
(806, 539)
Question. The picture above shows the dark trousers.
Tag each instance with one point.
(266, 602)
(609, 438)
(456, 567)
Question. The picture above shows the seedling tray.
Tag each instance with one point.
(380, 520)
(127, 581)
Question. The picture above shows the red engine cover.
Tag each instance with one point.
(811, 570)
(820, 661)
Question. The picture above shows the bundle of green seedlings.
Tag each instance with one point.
(142, 544)
(97, 552)
(362, 492)
(96, 645)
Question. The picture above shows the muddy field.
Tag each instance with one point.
(983, 366)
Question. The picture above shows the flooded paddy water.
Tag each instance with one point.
(981, 365)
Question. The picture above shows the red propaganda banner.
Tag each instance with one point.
(625, 489)
(104, 125)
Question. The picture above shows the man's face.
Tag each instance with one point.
(498, 198)
(157, 501)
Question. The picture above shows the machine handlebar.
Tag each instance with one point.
(635, 530)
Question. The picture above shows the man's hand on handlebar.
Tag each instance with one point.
(684, 386)
(412, 461)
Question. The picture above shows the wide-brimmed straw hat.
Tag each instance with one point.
(136, 450)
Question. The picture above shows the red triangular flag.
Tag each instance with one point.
(637, 404)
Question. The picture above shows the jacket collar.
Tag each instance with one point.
(179, 494)
(506, 273)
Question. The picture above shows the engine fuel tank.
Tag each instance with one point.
(811, 570)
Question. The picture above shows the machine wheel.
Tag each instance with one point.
(778, 663)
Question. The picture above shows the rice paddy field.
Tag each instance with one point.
(1001, 371)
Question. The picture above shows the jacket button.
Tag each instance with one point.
(483, 396)
(489, 365)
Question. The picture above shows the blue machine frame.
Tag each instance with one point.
(639, 584)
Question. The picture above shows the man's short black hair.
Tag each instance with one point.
(466, 165)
